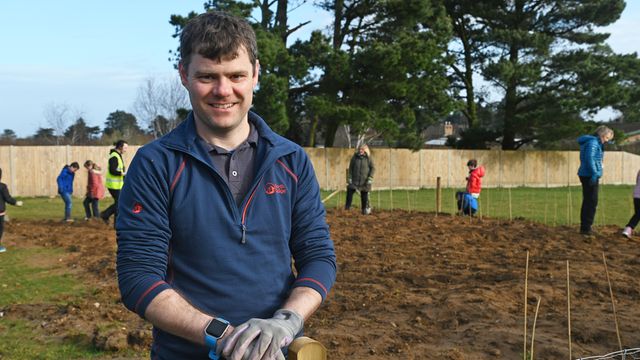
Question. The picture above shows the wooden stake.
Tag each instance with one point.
(570, 207)
(486, 193)
(533, 330)
(510, 213)
(526, 277)
(569, 311)
(613, 305)
(438, 196)
(568, 210)
(408, 201)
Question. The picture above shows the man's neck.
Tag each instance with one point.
(227, 140)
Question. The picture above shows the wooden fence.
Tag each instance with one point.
(32, 170)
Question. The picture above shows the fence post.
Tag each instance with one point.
(438, 196)
(326, 168)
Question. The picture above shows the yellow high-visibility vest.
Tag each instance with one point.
(115, 182)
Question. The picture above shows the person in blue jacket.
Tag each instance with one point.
(65, 187)
(590, 171)
(222, 237)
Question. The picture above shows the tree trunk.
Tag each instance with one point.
(312, 132)
(281, 20)
(330, 135)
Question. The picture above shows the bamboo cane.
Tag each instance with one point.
(613, 305)
(569, 311)
(330, 196)
(533, 330)
(526, 276)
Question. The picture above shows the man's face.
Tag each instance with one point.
(221, 91)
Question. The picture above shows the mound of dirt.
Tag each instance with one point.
(410, 285)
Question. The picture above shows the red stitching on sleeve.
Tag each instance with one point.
(147, 292)
(315, 282)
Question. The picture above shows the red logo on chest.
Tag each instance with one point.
(271, 189)
(137, 208)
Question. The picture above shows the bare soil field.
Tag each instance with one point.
(410, 286)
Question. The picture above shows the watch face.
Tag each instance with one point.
(216, 328)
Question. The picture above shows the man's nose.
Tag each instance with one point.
(222, 87)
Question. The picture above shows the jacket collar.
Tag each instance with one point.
(184, 138)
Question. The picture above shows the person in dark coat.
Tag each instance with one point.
(590, 172)
(5, 198)
(361, 170)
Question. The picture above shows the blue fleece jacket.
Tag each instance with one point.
(179, 227)
(65, 181)
(591, 156)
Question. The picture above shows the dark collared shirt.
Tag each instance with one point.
(236, 166)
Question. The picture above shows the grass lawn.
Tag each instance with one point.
(35, 276)
(551, 206)
(49, 208)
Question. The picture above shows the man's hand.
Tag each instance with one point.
(369, 180)
(259, 339)
(593, 180)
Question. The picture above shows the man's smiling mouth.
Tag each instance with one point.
(222, 106)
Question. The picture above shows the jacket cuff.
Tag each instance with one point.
(319, 277)
(145, 297)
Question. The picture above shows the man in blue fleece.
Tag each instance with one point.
(590, 171)
(216, 214)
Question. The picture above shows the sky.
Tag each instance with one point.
(92, 56)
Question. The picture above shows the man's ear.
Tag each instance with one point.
(184, 78)
(256, 73)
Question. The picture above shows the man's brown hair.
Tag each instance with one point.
(216, 35)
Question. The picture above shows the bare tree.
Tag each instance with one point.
(59, 116)
(160, 99)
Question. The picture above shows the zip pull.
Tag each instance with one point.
(244, 234)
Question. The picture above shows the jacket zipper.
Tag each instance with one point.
(243, 225)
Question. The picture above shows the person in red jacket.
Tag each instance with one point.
(95, 190)
(474, 180)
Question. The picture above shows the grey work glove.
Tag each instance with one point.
(262, 339)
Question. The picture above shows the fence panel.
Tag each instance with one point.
(32, 170)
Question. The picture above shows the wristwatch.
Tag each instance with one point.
(216, 329)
